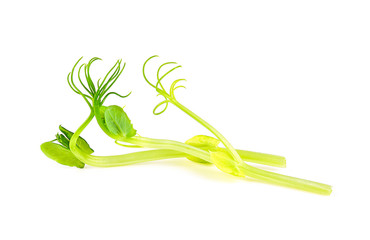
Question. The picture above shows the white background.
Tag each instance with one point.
(282, 77)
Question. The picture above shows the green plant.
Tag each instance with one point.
(114, 121)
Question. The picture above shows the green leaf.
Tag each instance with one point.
(81, 143)
(62, 140)
(61, 154)
(66, 132)
(226, 164)
(118, 122)
(204, 142)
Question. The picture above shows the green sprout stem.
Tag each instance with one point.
(158, 154)
(248, 170)
(126, 159)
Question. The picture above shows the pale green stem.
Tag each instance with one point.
(133, 158)
(167, 144)
(283, 180)
(262, 158)
(248, 170)
(82, 156)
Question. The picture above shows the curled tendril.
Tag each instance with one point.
(174, 87)
(116, 95)
(158, 86)
(160, 104)
(79, 78)
(95, 92)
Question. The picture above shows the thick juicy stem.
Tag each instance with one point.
(168, 144)
(178, 146)
(260, 158)
(73, 142)
(287, 181)
(266, 176)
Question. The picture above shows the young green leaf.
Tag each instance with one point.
(66, 132)
(223, 162)
(118, 122)
(61, 154)
(204, 142)
(62, 140)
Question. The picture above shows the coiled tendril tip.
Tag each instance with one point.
(158, 86)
